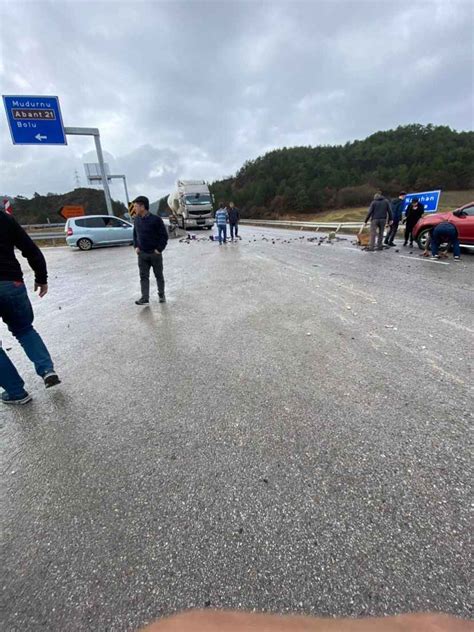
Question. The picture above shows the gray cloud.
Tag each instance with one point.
(196, 88)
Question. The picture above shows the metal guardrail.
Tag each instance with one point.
(270, 222)
(336, 226)
(28, 226)
(47, 236)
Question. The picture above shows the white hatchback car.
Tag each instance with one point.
(91, 231)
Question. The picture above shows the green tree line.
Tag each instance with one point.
(43, 208)
(312, 179)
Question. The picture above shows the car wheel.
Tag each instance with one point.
(423, 238)
(84, 244)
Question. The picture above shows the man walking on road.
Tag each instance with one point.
(397, 216)
(221, 221)
(379, 212)
(16, 310)
(234, 217)
(414, 212)
(149, 238)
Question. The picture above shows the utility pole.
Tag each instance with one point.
(76, 179)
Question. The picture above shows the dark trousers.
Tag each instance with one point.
(377, 225)
(409, 233)
(17, 314)
(222, 231)
(442, 234)
(234, 228)
(145, 262)
(392, 232)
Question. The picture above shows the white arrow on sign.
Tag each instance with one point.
(40, 138)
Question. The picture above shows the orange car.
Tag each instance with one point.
(462, 218)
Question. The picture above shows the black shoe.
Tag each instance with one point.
(142, 301)
(405, 244)
(51, 379)
(391, 244)
(16, 401)
(162, 298)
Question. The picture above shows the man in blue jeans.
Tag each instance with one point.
(445, 232)
(17, 313)
(222, 218)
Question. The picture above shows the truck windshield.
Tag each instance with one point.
(198, 199)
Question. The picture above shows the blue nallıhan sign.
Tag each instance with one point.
(34, 120)
(429, 199)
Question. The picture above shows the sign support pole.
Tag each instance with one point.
(126, 190)
(93, 131)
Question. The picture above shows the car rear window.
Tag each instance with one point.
(91, 222)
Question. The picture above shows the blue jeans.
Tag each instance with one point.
(17, 314)
(222, 233)
(442, 234)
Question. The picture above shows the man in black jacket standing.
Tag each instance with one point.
(149, 238)
(379, 212)
(414, 213)
(16, 310)
(234, 217)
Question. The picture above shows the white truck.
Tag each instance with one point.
(191, 205)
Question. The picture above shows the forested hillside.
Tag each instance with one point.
(40, 208)
(312, 179)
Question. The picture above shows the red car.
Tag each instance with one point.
(464, 222)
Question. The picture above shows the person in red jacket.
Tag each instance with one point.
(17, 313)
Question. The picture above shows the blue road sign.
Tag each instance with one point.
(429, 199)
(35, 120)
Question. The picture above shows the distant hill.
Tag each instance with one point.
(316, 179)
(41, 208)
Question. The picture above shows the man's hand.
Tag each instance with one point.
(43, 289)
(137, 250)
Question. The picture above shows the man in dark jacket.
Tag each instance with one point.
(234, 217)
(379, 212)
(397, 216)
(16, 310)
(414, 213)
(149, 238)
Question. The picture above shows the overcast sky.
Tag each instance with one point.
(193, 89)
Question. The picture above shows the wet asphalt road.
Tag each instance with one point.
(288, 433)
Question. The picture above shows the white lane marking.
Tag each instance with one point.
(442, 263)
(451, 323)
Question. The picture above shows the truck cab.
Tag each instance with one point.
(191, 205)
